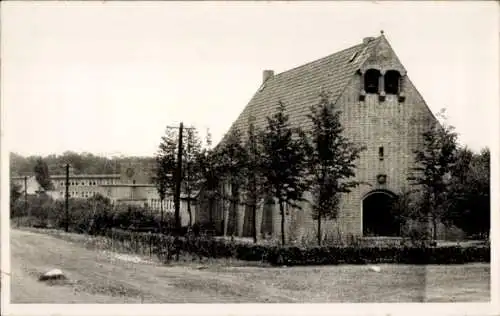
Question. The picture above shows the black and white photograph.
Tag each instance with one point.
(219, 154)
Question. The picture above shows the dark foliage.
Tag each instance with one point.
(190, 172)
(15, 193)
(254, 174)
(208, 164)
(81, 163)
(469, 197)
(284, 160)
(95, 215)
(233, 163)
(41, 171)
(376, 255)
(435, 161)
(165, 167)
(331, 160)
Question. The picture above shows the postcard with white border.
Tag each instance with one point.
(249, 158)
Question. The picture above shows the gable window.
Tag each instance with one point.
(391, 80)
(372, 81)
(381, 153)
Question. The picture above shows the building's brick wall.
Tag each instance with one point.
(392, 123)
(396, 126)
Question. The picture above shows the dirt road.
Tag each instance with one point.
(104, 277)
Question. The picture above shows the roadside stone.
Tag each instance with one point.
(54, 274)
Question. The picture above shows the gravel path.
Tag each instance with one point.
(106, 277)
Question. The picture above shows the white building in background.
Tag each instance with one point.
(83, 185)
(31, 187)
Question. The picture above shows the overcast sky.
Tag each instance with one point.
(108, 77)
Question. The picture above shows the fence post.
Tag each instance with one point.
(26, 200)
(136, 237)
(132, 241)
(150, 245)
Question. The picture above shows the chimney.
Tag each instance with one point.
(267, 74)
(367, 40)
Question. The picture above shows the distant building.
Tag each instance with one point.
(83, 185)
(133, 186)
(32, 186)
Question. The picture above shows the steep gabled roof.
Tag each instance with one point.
(299, 88)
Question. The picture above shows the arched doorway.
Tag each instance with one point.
(378, 218)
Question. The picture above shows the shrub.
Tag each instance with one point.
(374, 255)
(38, 207)
(92, 216)
(329, 238)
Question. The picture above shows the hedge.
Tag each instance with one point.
(375, 255)
(93, 216)
(165, 246)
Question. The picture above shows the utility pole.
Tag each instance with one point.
(178, 176)
(26, 210)
(66, 200)
(178, 181)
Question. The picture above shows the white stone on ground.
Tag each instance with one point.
(374, 268)
(54, 274)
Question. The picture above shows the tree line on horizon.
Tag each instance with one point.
(81, 163)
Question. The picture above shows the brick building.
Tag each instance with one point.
(381, 109)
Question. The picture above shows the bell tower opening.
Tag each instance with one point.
(391, 80)
(372, 81)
